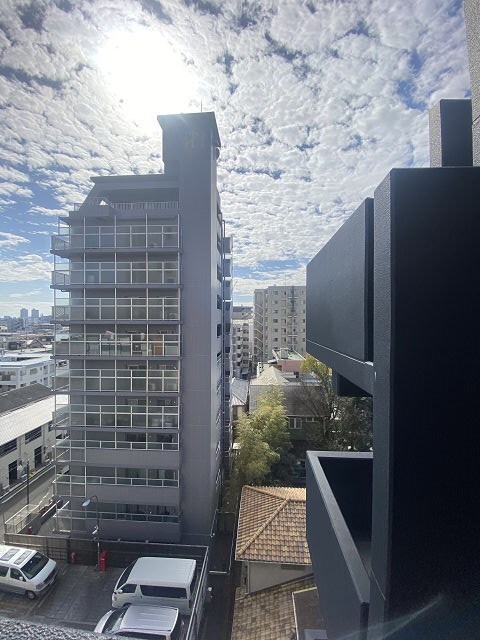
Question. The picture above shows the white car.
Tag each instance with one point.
(25, 571)
(138, 621)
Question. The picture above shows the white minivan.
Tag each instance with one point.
(25, 571)
(168, 582)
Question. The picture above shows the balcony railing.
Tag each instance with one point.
(117, 273)
(111, 344)
(61, 312)
(71, 514)
(118, 380)
(162, 236)
(141, 308)
(127, 206)
(69, 480)
(123, 416)
(146, 445)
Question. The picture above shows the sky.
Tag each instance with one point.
(315, 100)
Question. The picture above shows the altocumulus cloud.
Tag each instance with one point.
(315, 102)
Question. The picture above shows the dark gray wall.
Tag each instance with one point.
(339, 300)
(425, 488)
(451, 134)
(340, 575)
(189, 149)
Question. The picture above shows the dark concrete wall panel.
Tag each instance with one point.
(339, 295)
(427, 356)
(341, 578)
(451, 134)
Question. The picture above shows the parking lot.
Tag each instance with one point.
(78, 598)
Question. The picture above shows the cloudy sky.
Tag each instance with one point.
(315, 101)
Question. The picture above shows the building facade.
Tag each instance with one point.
(27, 437)
(279, 321)
(142, 279)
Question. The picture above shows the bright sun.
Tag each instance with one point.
(148, 76)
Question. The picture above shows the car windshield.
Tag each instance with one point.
(34, 565)
(114, 620)
(124, 577)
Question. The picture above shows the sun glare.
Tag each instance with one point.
(147, 76)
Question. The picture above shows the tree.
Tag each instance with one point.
(263, 441)
(341, 424)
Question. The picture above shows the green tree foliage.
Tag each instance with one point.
(263, 441)
(341, 424)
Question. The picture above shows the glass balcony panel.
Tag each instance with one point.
(108, 277)
(108, 384)
(139, 240)
(91, 241)
(123, 277)
(92, 314)
(107, 241)
(139, 277)
(139, 313)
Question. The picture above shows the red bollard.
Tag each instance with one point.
(102, 561)
(73, 558)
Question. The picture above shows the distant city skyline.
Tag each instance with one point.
(315, 102)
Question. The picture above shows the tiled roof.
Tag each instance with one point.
(239, 392)
(271, 525)
(269, 376)
(267, 614)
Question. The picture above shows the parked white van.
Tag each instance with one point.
(157, 581)
(25, 571)
(155, 623)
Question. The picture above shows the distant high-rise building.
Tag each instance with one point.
(35, 316)
(147, 301)
(279, 321)
(24, 314)
(242, 347)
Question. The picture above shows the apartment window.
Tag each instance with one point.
(8, 447)
(33, 435)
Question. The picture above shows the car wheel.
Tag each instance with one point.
(31, 595)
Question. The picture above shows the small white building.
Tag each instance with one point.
(20, 369)
(26, 433)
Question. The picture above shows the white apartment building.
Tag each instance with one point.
(279, 321)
